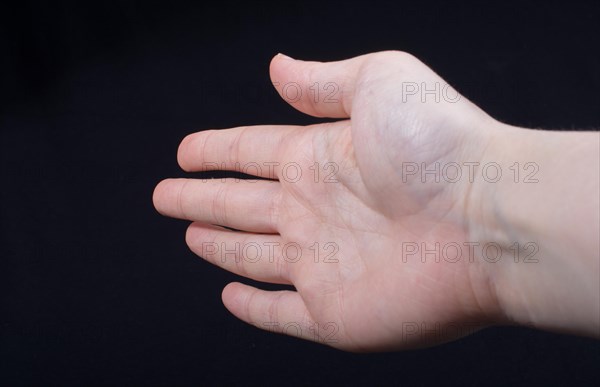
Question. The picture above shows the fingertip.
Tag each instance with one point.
(314, 88)
(191, 234)
(182, 153)
(281, 58)
(274, 65)
(158, 195)
(198, 232)
(233, 297)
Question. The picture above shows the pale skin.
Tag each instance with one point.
(358, 208)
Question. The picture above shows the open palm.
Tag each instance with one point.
(353, 214)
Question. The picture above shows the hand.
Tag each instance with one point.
(346, 206)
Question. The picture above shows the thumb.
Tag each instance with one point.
(316, 88)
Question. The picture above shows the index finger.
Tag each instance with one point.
(255, 150)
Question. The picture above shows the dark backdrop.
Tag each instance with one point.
(97, 288)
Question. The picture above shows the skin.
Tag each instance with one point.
(368, 289)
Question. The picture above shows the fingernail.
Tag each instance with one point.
(283, 56)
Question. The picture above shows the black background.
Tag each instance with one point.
(97, 288)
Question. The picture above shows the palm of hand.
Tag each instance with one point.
(343, 217)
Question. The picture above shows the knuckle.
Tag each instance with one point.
(273, 308)
(274, 210)
(395, 56)
(388, 61)
(182, 200)
(385, 70)
(219, 205)
(281, 267)
(240, 259)
(236, 145)
(250, 306)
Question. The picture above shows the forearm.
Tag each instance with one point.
(544, 213)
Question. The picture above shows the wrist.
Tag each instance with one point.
(543, 216)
